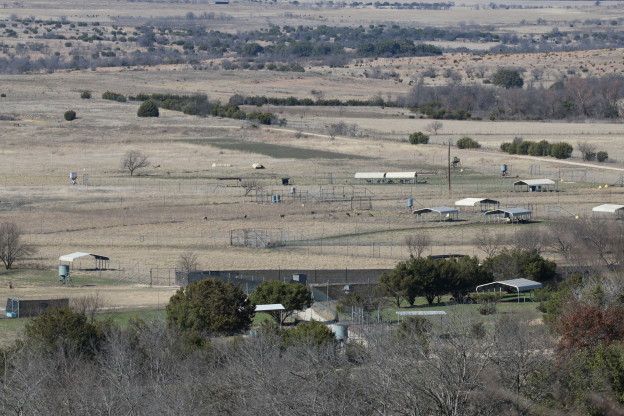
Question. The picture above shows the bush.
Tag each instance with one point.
(602, 156)
(148, 109)
(508, 78)
(418, 138)
(113, 96)
(467, 143)
(85, 95)
(487, 308)
(561, 150)
(3, 95)
(70, 115)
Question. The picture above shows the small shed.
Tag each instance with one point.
(519, 285)
(534, 185)
(445, 213)
(484, 204)
(509, 215)
(101, 262)
(272, 307)
(617, 210)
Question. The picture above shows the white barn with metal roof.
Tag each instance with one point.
(535, 185)
(617, 210)
(446, 213)
(484, 203)
(510, 214)
(520, 285)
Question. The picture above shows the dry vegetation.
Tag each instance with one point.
(178, 204)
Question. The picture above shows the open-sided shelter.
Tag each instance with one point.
(101, 262)
(518, 285)
(534, 185)
(445, 213)
(484, 204)
(616, 210)
(509, 215)
(401, 177)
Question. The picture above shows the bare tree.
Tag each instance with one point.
(434, 126)
(11, 246)
(490, 243)
(335, 129)
(528, 239)
(133, 160)
(188, 261)
(588, 150)
(250, 185)
(417, 243)
(88, 305)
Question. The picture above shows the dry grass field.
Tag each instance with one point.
(179, 203)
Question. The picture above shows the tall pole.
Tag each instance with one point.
(449, 166)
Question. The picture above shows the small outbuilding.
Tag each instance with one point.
(484, 204)
(616, 210)
(445, 213)
(509, 215)
(534, 185)
(401, 177)
(101, 262)
(517, 285)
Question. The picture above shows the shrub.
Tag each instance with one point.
(561, 150)
(507, 78)
(602, 156)
(3, 95)
(487, 308)
(468, 143)
(148, 109)
(113, 96)
(70, 115)
(418, 138)
(85, 95)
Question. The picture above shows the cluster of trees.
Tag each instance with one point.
(68, 363)
(260, 100)
(519, 146)
(569, 98)
(433, 278)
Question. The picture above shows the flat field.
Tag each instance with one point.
(188, 201)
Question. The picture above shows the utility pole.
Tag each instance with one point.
(449, 166)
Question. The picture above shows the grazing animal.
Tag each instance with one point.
(245, 216)
(282, 215)
(205, 218)
(348, 215)
(370, 215)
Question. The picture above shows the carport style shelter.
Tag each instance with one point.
(485, 204)
(520, 285)
(617, 210)
(510, 214)
(534, 185)
(101, 262)
(446, 213)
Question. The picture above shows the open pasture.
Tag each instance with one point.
(183, 203)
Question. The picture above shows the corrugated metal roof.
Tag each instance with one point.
(401, 175)
(535, 182)
(521, 285)
(73, 256)
(471, 202)
(270, 307)
(370, 175)
(611, 208)
(440, 210)
(511, 211)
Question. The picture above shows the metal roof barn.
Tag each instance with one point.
(484, 203)
(401, 175)
(535, 185)
(446, 213)
(370, 175)
(521, 285)
(101, 262)
(510, 214)
(618, 210)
